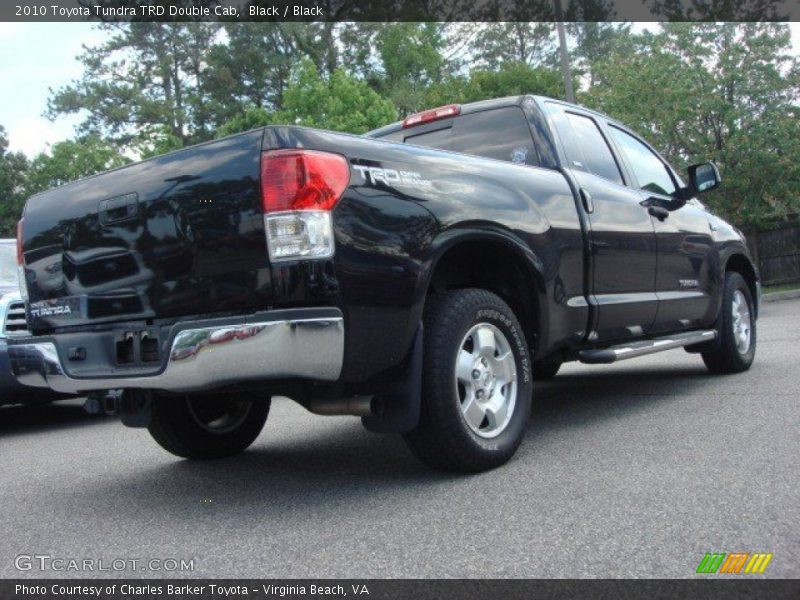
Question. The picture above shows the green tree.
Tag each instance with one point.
(251, 68)
(338, 102)
(592, 41)
(250, 118)
(715, 11)
(359, 54)
(411, 59)
(145, 80)
(13, 171)
(521, 42)
(317, 41)
(510, 79)
(725, 92)
(70, 160)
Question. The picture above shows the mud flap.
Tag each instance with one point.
(399, 409)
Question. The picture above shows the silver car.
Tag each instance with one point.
(13, 322)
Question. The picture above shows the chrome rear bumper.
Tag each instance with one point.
(204, 357)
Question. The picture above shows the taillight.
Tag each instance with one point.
(299, 189)
(23, 287)
(20, 256)
(434, 114)
(302, 180)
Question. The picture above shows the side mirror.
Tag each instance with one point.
(704, 177)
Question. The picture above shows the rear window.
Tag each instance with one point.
(500, 133)
(584, 145)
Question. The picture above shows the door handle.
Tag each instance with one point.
(119, 209)
(586, 198)
(659, 212)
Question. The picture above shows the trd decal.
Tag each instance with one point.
(391, 177)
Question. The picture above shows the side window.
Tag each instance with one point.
(501, 133)
(585, 146)
(650, 171)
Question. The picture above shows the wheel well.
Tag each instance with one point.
(495, 267)
(740, 264)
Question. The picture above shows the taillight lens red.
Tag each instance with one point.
(20, 256)
(302, 180)
(434, 114)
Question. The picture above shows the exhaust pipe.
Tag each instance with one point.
(359, 406)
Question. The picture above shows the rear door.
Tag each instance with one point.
(684, 281)
(622, 236)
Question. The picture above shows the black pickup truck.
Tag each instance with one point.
(421, 277)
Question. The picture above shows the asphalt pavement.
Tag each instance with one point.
(629, 470)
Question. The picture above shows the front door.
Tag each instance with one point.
(622, 234)
(686, 251)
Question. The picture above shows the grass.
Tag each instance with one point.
(784, 287)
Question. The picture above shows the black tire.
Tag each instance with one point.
(195, 426)
(442, 438)
(546, 369)
(728, 358)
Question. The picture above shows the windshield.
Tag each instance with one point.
(8, 264)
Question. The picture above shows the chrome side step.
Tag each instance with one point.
(634, 349)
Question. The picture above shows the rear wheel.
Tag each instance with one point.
(476, 395)
(737, 347)
(207, 426)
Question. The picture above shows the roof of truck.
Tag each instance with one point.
(473, 107)
(466, 109)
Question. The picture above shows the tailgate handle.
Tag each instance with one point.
(116, 210)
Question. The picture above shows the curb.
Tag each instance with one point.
(776, 296)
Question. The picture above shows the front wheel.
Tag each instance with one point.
(476, 396)
(737, 329)
(207, 426)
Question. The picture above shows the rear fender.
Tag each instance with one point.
(533, 266)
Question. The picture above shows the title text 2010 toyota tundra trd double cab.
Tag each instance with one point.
(421, 276)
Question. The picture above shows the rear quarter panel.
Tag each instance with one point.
(389, 235)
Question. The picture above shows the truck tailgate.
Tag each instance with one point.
(175, 235)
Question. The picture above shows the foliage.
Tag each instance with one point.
(250, 69)
(714, 11)
(593, 40)
(160, 141)
(13, 172)
(146, 79)
(521, 42)
(338, 102)
(412, 61)
(510, 79)
(71, 160)
(724, 92)
(250, 118)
